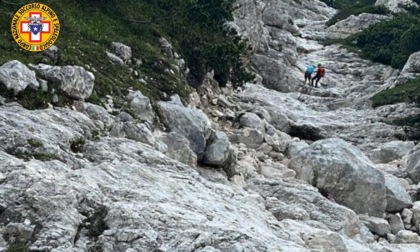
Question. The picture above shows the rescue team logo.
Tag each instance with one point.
(35, 27)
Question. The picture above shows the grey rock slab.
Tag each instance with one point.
(189, 122)
(396, 196)
(396, 223)
(252, 138)
(376, 225)
(413, 164)
(178, 148)
(391, 151)
(217, 152)
(75, 81)
(311, 204)
(16, 76)
(406, 236)
(140, 106)
(251, 120)
(336, 167)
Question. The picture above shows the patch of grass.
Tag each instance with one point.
(18, 247)
(35, 143)
(408, 92)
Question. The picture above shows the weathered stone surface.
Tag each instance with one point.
(337, 167)
(406, 236)
(391, 151)
(252, 138)
(305, 203)
(141, 107)
(407, 215)
(75, 81)
(114, 58)
(413, 164)
(178, 148)
(98, 115)
(416, 214)
(354, 24)
(396, 196)
(217, 152)
(16, 76)
(396, 223)
(189, 122)
(376, 225)
(251, 120)
(121, 50)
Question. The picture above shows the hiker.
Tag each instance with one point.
(320, 72)
(308, 73)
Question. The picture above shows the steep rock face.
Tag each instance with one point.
(339, 168)
(271, 27)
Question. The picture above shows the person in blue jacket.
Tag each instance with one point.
(308, 73)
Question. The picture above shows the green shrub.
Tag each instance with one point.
(408, 92)
(390, 42)
(18, 247)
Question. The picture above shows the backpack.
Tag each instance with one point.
(322, 72)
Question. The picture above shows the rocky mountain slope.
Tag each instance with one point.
(272, 166)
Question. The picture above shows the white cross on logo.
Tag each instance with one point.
(24, 28)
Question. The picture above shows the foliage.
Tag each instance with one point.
(390, 42)
(196, 28)
(347, 8)
(408, 92)
(17, 247)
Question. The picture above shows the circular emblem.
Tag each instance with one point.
(35, 27)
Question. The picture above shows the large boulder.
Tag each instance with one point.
(192, 123)
(16, 76)
(275, 72)
(339, 168)
(217, 152)
(413, 164)
(74, 81)
(396, 196)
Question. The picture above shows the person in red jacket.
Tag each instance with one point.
(320, 72)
